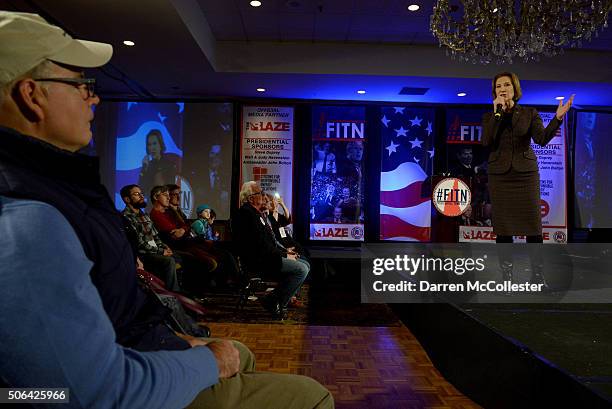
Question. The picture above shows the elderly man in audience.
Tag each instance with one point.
(73, 315)
(155, 255)
(261, 251)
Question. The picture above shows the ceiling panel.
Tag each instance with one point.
(215, 6)
(261, 26)
(365, 23)
(226, 26)
(372, 7)
(330, 27)
(336, 6)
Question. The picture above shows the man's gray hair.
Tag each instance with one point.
(248, 188)
(41, 70)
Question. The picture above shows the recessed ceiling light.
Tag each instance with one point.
(255, 3)
(461, 94)
(261, 90)
(559, 98)
(361, 91)
(414, 7)
(129, 43)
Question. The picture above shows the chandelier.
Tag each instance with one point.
(499, 31)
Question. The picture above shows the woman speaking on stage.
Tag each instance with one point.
(514, 179)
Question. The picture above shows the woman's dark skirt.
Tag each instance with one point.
(515, 197)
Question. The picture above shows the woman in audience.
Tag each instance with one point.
(279, 222)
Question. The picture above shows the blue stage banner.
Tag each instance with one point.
(407, 136)
(337, 184)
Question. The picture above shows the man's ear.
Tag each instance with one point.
(30, 97)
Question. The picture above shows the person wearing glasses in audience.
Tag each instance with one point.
(260, 252)
(155, 255)
(73, 315)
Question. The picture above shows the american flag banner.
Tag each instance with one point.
(407, 136)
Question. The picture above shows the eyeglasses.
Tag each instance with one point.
(82, 84)
(258, 193)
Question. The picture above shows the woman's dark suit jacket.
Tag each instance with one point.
(512, 148)
(514, 180)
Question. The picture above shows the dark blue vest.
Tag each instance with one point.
(33, 169)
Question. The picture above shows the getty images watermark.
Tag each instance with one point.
(487, 273)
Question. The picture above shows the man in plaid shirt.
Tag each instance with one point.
(155, 255)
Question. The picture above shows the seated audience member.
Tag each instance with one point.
(202, 226)
(87, 324)
(176, 232)
(211, 222)
(155, 255)
(260, 252)
(279, 221)
(175, 201)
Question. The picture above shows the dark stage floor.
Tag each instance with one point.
(575, 337)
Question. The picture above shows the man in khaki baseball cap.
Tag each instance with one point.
(73, 316)
(27, 40)
(40, 76)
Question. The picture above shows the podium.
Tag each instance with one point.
(445, 229)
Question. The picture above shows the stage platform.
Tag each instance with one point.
(506, 355)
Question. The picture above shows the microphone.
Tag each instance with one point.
(498, 112)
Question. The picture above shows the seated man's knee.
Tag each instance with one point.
(313, 393)
(247, 358)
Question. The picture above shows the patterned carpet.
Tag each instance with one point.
(329, 299)
(330, 304)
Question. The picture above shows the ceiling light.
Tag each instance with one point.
(255, 3)
(475, 33)
(129, 43)
(461, 94)
(495, 10)
(559, 98)
(361, 91)
(261, 90)
(414, 7)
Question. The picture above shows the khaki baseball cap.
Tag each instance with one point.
(27, 39)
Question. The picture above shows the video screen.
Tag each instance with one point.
(593, 170)
(188, 144)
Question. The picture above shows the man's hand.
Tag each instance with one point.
(291, 256)
(228, 357)
(139, 264)
(193, 341)
(177, 233)
(167, 252)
